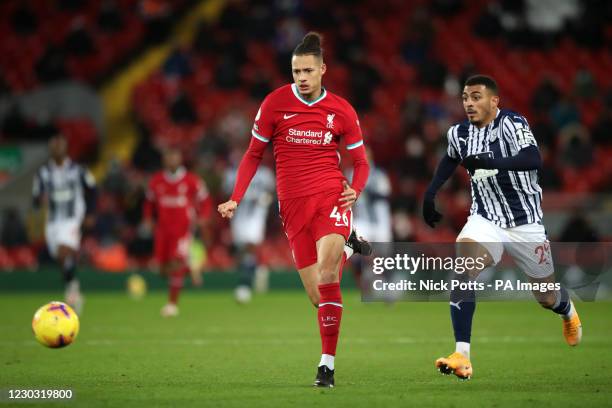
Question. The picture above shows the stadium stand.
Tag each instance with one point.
(400, 63)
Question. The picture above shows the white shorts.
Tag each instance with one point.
(373, 232)
(249, 227)
(527, 244)
(67, 233)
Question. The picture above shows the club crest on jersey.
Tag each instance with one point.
(328, 138)
(494, 135)
(330, 120)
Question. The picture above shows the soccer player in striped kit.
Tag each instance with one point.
(305, 123)
(500, 153)
(68, 192)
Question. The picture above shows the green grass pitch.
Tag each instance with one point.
(220, 354)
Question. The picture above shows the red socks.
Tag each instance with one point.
(175, 283)
(330, 315)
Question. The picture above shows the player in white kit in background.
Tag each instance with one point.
(248, 226)
(68, 193)
(372, 213)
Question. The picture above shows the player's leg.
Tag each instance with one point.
(462, 308)
(247, 264)
(67, 259)
(321, 282)
(63, 240)
(559, 302)
(310, 280)
(531, 252)
(331, 227)
(357, 262)
(478, 239)
(173, 262)
(330, 259)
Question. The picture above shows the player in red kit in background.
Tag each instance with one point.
(305, 124)
(178, 198)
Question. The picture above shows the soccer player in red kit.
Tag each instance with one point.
(177, 197)
(305, 123)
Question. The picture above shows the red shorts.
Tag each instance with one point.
(307, 219)
(171, 245)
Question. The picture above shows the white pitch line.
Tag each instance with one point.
(354, 340)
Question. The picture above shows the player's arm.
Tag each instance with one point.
(246, 171)
(526, 159)
(261, 133)
(88, 184)
(148, 207)
(38, 190)
(204, 200)
(443, 172)
(204, 204)
(361, 167)
(517, 133)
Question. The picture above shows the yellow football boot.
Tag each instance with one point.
(457, 364)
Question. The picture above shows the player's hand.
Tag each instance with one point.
(430, 214)
(478, 161)
(196, 277)
(227, 209)
(89, 222)
(348, 196)
(146, 228)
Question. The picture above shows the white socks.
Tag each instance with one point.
(570, 313)
(463, 348)
(328, 360)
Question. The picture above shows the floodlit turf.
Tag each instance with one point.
(218, 353)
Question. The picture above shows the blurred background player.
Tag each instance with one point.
(178, 198)
(501, 154)
(305, 123)
(248, 225)
(372, 213)
(68, 193)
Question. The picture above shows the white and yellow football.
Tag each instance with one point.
(55, 325)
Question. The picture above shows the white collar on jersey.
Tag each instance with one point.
(304, 101)
(177, 175)
(65, 164)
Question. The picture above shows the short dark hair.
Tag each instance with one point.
(485, 80)
(310, 45)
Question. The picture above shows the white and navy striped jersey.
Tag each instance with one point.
(259, 193)
(67, 189)
(372, 211)
(506, 198)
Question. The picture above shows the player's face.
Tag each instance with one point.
(308, 71)
(58, 147)
(172, 160)
(480, 104)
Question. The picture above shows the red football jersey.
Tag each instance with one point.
(305, 136)
(176, 199)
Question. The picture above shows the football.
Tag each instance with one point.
(55, 325)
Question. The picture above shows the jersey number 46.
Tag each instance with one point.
(341, 218)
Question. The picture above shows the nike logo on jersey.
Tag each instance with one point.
(327, 325)
(285, 116)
